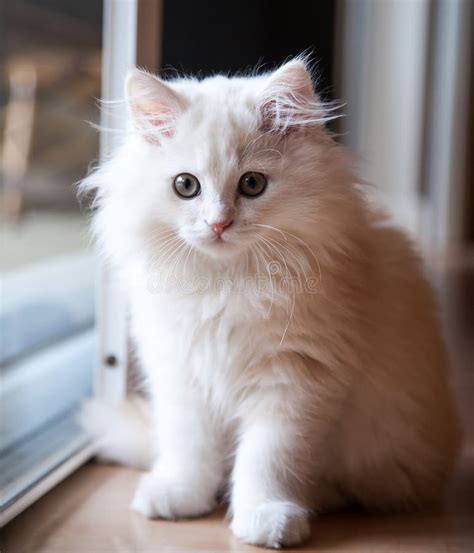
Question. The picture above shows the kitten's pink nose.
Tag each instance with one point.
(219, 226)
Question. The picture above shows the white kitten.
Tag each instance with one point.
(289, 340)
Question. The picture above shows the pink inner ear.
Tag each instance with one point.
(267, 111)
(155, 106)
(162, 125)
(153, 138)
(288, 91)
(157, 116)
(288, 102)
(283, 113)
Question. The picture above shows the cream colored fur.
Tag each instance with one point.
(297, 363)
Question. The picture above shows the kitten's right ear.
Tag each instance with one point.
(153, 104)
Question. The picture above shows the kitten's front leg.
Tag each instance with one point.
(267, 499)
(189, 468)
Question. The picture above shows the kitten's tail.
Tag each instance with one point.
(121, 431)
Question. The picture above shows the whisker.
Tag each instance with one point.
(270, 276)
(293, 294)
(300, 240)
(161, 252)
(292, 309)
(186, 260)
(293, 255)
(156, 233)
(278, 252)
(171, 251)
(174, 254)
(179, 254)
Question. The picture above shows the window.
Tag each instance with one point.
(61, 56)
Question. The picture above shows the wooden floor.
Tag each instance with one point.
(88, 513)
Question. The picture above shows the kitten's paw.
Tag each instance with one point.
(274, 524)
(160, 497)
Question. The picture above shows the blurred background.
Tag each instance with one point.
(51, 65)
(403, 69)
(50, 60)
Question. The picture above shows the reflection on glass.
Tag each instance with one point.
(49, 90)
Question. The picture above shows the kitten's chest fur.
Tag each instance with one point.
(212, 340)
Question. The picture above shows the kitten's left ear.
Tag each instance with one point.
(153, 104)
(288, 99)
(293, 78)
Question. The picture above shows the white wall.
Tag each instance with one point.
(384, 57)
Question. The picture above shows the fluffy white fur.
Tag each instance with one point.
(295, 363)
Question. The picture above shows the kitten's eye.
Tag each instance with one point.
(252, 184)
(186, 186)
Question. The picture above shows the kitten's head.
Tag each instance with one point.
(223, 162)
